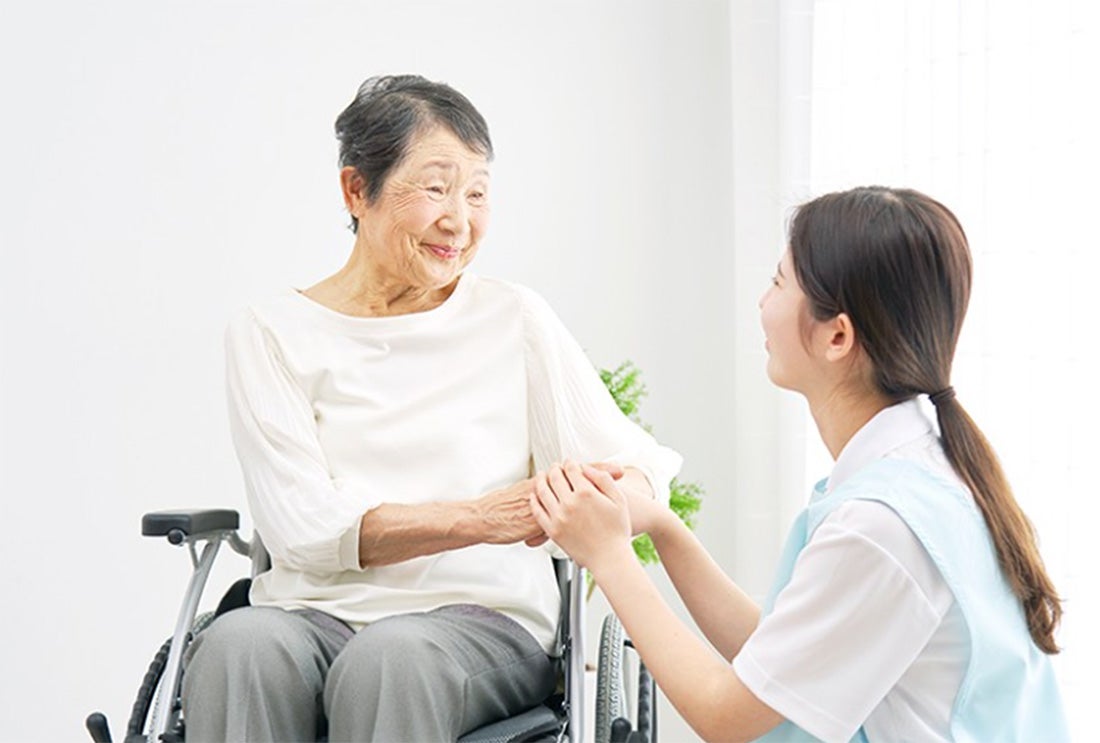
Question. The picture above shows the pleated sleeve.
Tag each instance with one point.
(571, 415)
(308, 519)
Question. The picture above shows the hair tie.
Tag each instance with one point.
(947, 393)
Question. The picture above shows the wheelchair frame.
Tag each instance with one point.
(213, 527)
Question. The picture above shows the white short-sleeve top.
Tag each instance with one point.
(867, 633)
(332, 415)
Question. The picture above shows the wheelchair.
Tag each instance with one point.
(625, 692)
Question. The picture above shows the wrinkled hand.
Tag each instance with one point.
(581, 508)
(507, 515)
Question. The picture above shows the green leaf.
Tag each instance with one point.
(626, 388)
(644, 549)
(685, 498)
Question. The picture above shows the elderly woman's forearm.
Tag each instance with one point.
(395, 532)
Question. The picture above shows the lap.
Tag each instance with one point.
(473, 636)
(425, 676)
(468, 638)
(257, 628)
(454, 668)
(269, 644)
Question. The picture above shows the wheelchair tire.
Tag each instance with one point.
(610, 691)
(647, 705)
(139, 714)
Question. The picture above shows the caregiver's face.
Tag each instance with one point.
(427, 223)
(782, 313)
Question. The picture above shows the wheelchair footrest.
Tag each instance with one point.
(530, 725)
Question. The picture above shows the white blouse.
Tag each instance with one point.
(867, 633)
(333, 415)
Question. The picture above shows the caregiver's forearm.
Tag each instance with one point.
(724, 613)
(702, 687)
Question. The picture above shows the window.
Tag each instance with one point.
(987, 106)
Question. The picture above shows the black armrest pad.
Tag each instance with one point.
(159, 523)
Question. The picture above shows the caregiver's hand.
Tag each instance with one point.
(615, 470)
(581, 508)
(647, 514)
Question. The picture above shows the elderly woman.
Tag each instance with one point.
(389, 422)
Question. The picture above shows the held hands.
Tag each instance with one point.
(507, 514)
(582, 509)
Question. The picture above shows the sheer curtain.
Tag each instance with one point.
(988, 106)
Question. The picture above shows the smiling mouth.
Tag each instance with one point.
(444, 252)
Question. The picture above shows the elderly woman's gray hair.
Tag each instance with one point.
(376, 129)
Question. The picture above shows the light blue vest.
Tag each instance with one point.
(1008, 692)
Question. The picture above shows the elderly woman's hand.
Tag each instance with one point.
(581, 508)
(506, 515)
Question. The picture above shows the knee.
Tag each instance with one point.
(254, 674)
(256, 640)
(400, 651)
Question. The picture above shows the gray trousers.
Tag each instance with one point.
(265, 674)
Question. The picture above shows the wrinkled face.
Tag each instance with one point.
(783, 313)
(425, 226)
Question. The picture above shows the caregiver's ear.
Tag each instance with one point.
(841, 337)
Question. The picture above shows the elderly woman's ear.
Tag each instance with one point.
(354, 189)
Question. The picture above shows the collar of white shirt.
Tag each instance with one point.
(891, 428)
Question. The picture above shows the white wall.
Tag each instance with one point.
(770, 62)
(162, 164)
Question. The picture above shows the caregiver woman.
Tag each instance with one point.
(387, 420)
(911, 603)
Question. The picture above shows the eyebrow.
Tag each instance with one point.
(449, 165)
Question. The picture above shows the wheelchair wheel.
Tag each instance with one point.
(139, 715)
(647, 705)
(610, 690)
(613, 708)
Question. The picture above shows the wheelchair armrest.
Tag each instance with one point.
(185, 523)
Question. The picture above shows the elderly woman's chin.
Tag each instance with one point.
(438, 269)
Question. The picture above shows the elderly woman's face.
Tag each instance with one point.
(425, 226)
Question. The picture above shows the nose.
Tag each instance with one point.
(455, 219)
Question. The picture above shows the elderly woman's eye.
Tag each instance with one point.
(477, 196)
(436, 190)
